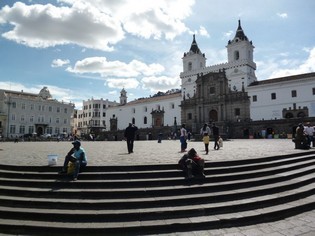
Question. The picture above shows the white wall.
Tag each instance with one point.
(266, 108)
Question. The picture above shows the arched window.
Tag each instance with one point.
(190, 66)
(289, 115)
(133, 121)
(236, 55)
(145, 120)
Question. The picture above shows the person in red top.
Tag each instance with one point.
(192, 164)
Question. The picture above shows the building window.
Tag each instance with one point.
(145, 109)
(236, 55)
(58, 109)
(133, 110)
(104, 114)
(14, 104)
(313, 91)
(22, 129)
(255, 98)
(66, 110)
(50, 109)
(12, 129)
(57, 120)
(22, 118)
(189, 66)
(189, 116)
(172, 106)
(32, 106)
(237, 112)
(23, 106)
(31, 129)
(293, 93)
(145, 120)
(273, 96)
(212, 90)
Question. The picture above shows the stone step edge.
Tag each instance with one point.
(161, 226)
(193, 199)
(216, 164)
(231, 206)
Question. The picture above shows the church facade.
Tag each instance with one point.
(230, 94)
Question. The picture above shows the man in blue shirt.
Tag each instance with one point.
(78, 157)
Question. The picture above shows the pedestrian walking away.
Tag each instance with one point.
(215, 132)
(129, 135)
(183, 138)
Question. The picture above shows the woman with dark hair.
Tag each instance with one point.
(192, 164)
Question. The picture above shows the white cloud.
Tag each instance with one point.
(93, 24)
(282, 15)
(227, 35)
(44, 26)
(274, 68)
(161, 83)
(105, 68)
(203, 32)
(130, 83)
(59, 62)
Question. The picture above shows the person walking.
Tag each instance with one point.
(77, 156)
(215, 132)
(309, 131)
(183, 138)
(129, 135)
(205, 132)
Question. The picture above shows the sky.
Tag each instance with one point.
(93, 49)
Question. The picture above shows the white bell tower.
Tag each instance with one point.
(193, 61)
(241, 66)
(123, 97)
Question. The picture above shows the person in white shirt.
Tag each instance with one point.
(309, 131)
(183, 138)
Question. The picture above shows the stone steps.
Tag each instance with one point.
(153, 199)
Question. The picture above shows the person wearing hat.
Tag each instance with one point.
(78, 157)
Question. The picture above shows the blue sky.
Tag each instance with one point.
(92, 49)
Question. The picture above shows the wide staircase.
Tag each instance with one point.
(155, 199)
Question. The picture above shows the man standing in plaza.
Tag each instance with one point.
(215, 132)
(129, 135)
(309, 131)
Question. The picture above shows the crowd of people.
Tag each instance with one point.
(191, 163)
(304, 136)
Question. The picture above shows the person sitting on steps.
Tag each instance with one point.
(192, 164)
(78, 157)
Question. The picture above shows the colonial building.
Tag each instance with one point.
(236, 100)
(283, 98)
(162, 109)
(214, 101)
(33, 114)
(239, 70)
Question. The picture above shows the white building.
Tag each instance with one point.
(92, 118)
(240, 68)
(156, 111)
(291, 96)
(34, 114)
(285, 97)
